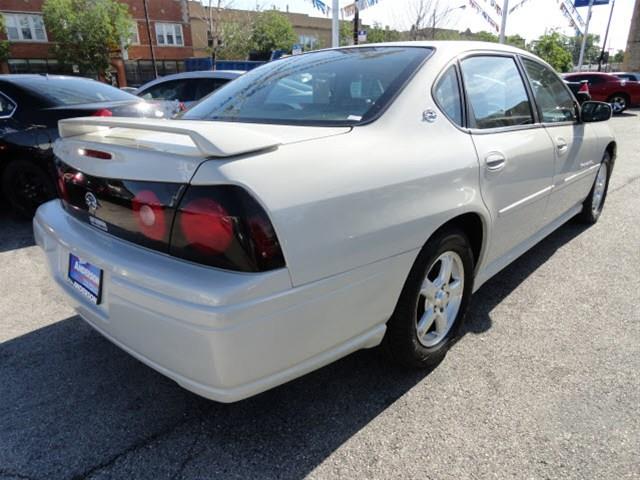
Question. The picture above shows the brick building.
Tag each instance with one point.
(31, 52)
(312, 32)
(632, 54)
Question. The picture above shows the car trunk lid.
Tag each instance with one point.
(168, 150)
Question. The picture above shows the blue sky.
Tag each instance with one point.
(530, 21)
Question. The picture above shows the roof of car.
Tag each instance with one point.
(224, 74)
(600, 74)
(17, 77)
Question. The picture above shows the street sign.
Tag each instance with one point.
(362, 36)
(585, 3)
(297, 49)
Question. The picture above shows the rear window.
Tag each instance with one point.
(333, 87)
(73, 91)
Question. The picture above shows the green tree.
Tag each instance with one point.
(618, 57)
(87, 31)
(516, 41)
(272, 31)
(4, 44)
(591, 50)
(378, 34)
(552, 47)
(346, 33)
(236, 41)
(486, 37)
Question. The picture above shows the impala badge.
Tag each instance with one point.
(91, 201)
(429, 115)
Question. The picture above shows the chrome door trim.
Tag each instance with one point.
(580, 173)
(524, 200)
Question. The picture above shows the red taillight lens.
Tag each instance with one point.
(149, 214)
(103, 112)
(207, 226)
(223, 226)
(584, 88)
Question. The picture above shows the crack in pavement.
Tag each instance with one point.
(9, 474)
(137, 446)
(626, 184)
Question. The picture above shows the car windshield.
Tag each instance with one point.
(73, 91)
(332, 87)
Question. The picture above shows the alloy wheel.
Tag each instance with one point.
(440, 298)
(599, 188)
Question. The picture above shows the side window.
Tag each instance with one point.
(447, 95)
(7, 107)
(555, 102)
(171, 90)
(496, 92)
(208, 85)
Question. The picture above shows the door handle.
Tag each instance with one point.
(495, 161)
(561, 145)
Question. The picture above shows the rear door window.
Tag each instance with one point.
(496, 92)
(7, 107)
(447, 95)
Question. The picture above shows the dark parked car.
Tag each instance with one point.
(580, 91)
(604, 87)
(30, 107)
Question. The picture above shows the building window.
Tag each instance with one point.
(25, 27)
(37, 66)
(134, 36)
(169, 34)
(308, 42)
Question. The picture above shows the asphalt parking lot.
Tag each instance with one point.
(545, 382)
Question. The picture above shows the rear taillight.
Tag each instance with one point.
(103, 112)
(149, 215)
(223, 226)
(584, 88)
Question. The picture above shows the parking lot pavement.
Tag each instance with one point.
(543, 384)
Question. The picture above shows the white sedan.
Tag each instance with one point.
(317, 205)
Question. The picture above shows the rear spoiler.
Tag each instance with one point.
(212, 139)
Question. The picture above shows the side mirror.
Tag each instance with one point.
(595, 111)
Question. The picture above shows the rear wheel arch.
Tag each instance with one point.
(474, 226)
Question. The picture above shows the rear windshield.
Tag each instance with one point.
(73, 91)
(333, 87)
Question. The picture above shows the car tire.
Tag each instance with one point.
(621, 100)
(26, 186)
(408, 341)
(594, 203)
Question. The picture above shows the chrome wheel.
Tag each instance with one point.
(440, 298)
(598, 189)
(618, 103)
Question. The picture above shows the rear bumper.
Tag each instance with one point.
(222, 335)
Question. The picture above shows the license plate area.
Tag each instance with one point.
(86, 278)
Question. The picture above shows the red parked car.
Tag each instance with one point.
(604, 87)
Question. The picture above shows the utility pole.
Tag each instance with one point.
(153, 53)
(356, 24)
(433, 24)
(584, 36)
(503, 26)
(335, 24)
(606, 35)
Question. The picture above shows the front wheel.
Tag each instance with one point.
(433, 301)
(594, 203)
(619, 102)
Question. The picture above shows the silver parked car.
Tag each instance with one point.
(187, 87)
(320, 204)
